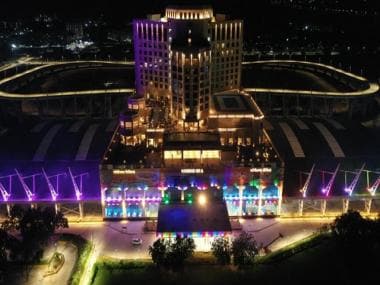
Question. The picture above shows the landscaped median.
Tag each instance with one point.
(84, 249)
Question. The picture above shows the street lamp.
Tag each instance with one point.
(202, 199)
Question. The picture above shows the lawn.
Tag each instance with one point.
(315, 265)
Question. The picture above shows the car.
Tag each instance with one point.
(136, 241)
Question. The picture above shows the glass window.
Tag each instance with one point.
(191, 154)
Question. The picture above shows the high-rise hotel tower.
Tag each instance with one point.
(186, 56)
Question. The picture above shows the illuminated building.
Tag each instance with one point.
(189, 130)
(74, 31)
(185, 56)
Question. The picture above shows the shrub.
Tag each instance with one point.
(244, 250)
(221, 249)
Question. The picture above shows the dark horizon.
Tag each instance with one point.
(118, 9)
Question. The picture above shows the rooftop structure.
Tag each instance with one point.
(53, 153)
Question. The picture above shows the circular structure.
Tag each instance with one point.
(91, 88)
(280, 87)
(287, 87)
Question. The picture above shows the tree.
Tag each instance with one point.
(179, 251)
(244, 250)
(358, 242)
(221, 249)
(4, 241)
(158, 252)
(172, 254)
(36, 226)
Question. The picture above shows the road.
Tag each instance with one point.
(113, 239)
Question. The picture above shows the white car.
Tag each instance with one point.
(136, 241)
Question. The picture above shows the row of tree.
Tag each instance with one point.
(242, 250)
(171, 254)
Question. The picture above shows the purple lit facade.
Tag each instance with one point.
(65, 189)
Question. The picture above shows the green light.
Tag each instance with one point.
(166, 199)
(275, 181)
(254, 182)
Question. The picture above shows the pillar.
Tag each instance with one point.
(8, 209)
(57, 207)
(300, 207)
(109, 115)
(367, 205)
(346, 204)
(81, 212)
(350, 108)
(311, 111)
(260, 210)
(298, 105)
(323, 207)
(75, 105)
(241, 200)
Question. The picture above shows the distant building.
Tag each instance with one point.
(186, 56)
(74, 31)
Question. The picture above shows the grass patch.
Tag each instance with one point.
(84, 249)
(319, 263)
(200, 258)
(294, 248)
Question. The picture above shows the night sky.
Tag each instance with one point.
(115, 8)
